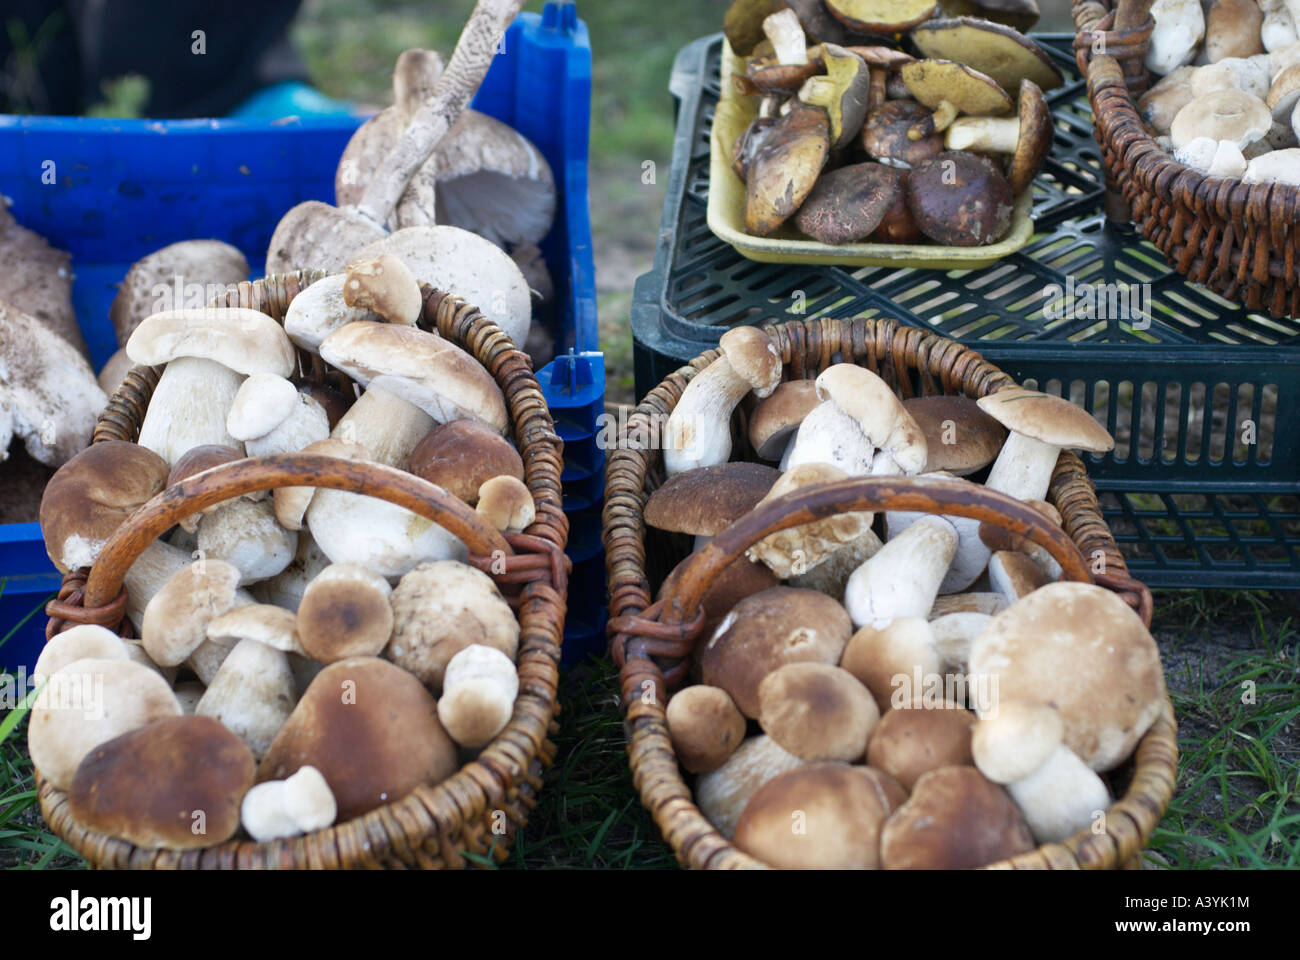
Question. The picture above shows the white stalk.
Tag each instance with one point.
(189, 408)
(903, 578)
(829, 435)
(984, 134)
(1061, 797)
(698, 432)
(1024, 467)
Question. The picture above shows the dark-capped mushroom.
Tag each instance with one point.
(1001, 52)
(844, 93)
(785, 167)
(848, 204)
(960, 199)
(885, 135)
(882, 17)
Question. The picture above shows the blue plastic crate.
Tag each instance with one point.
(123, 188)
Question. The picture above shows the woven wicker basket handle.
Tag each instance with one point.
(282, 470)
(866, 494)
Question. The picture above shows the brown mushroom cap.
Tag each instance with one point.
(372, 731)
(1037, 131)
(345, 612)
(960, 199)
(92, 494)
(332, 401)
(705, 726)
(819, 816)
(749, 143)
(882, 17)
(1078, 648)
(993, 49)
(885, 660)
(884, 135)
(196, 460)
(776, 418)
(197, 773)
(785, 167)
(817, 711)
(848, 204)
(706, 500)
(723, 793)
(1014, 575)
(933, 82)
(1021, 14)
(1048, 419)
(955, 819)
(959, 436)
(911, 741)
(898, 225)
(739, 579)
(768, 630)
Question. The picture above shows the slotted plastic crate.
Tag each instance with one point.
(126, 187)
(1203, 487)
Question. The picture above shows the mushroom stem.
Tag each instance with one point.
(903, 578)
(1024, 467)
(984, 134)
(189, 408)
(697, 433)
(878, 91)
(1061, 797)
(942, 118)
(787, 36)
(829, 435)
(386, 425)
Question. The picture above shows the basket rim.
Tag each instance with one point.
(955, 368)
(512, 762)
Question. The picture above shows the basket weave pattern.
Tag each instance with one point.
(434, 826)
(652, 650)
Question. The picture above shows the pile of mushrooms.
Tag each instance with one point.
(898, 690)
(1227, 103)
(285, 636)
(856, 139)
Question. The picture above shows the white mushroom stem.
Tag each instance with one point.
(698, 432)
(1024, 467)
(189, 408)
(1061, 797)
(246, 535)
(252, 694)
(829, 435)
(903, 578)
(787, 36)
(1280, 166)
(984, 134)
(1179, 29)
(386, 425)
(971, 555)
(478, 695)
(286, 808)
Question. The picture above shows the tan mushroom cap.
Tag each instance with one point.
(245, 341)
(959, 436)
(911, 741)
(345, 612)
(776, 418)
(344, 727)
(88, 702)
(263, 402)
(176, 618)
(461, 455)
(506, 503)
(1231, 115)
(1080, 649)
(86, 641)
(933, 82)
(1284, 94)
(885, 660)
(820, 816)
(739, 579)
(705, 726)
(880, 414)
(722, 794)
(753, 356)
(1014, 575)
(817, 711)
(91, 495)
(383, 285)
(478, 697)
(707, 500)
(1014, 742)
(882, 17)
(1049, 419)
(263, 622)
(422, 368)
(996, 50)
(196, 460)
(955, 819)
(768, 630)
(1159, 105)
(197, 773)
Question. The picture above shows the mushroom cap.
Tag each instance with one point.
(439, 608)
(848, 204)
(264, 401)
(748, 143)
(1037, 131)
(1015, 741)
(1231, 115)
(994, 49)
(722, 794)
(1280, 166)
(1078, 648)
(422, 368)
(884, 135)
(776, 418)
(461, 455)
(808, 545)
(92, 494)
(345, 612)
(817, 711)
(1284, 94)
(882, 17)
(898, 225)
(884, 659)
(824, 816)
(768, 630)
(960, 199)
(1179, 28)
(1232, 29)
(1159, 105)
(911, 741)
(706, 500)
(176, 618)
(200, 458)
(478, 695)
(880, 414)
(1048, 419)
(265, 623)
(767, 75)
(372, 731)
(506, 503)
(245, 534)
(739, 579)
(86, 641)
(934, 81)
(955, 819)
(785, 167)
(705, 726)
(820, 25)
(753, 356)
(308, 800)
(384, 286)
(88, 702)
(207, 262)
(243, 340)
(197, 773)
(959, 436)
(848, 81)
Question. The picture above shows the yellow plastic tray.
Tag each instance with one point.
(726, 211)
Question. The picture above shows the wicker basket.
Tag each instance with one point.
(1238, 239)
(434, 826)
(652, 641)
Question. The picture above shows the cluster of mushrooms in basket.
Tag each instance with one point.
(856, 140)
(1228, 100)
(899, 690)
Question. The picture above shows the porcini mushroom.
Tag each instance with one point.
(169, 277)
(1231, 115)
(1179, 29)
(723, 793)
(960, 438)
(461, 455)
(903, 578)
(775, 419)
(704, 501)
(265, 623)
(252, 694)
(886, 660)
(270, 415)
(912, 740)
(506, 504)
(85, 641)
(705, 726)
(298, 804)
(478, 695)
(176, 619)
(817, 711)
(1232, 29)
(344, 612)
(1159, 105)
(1280, 166)
(320, 309)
